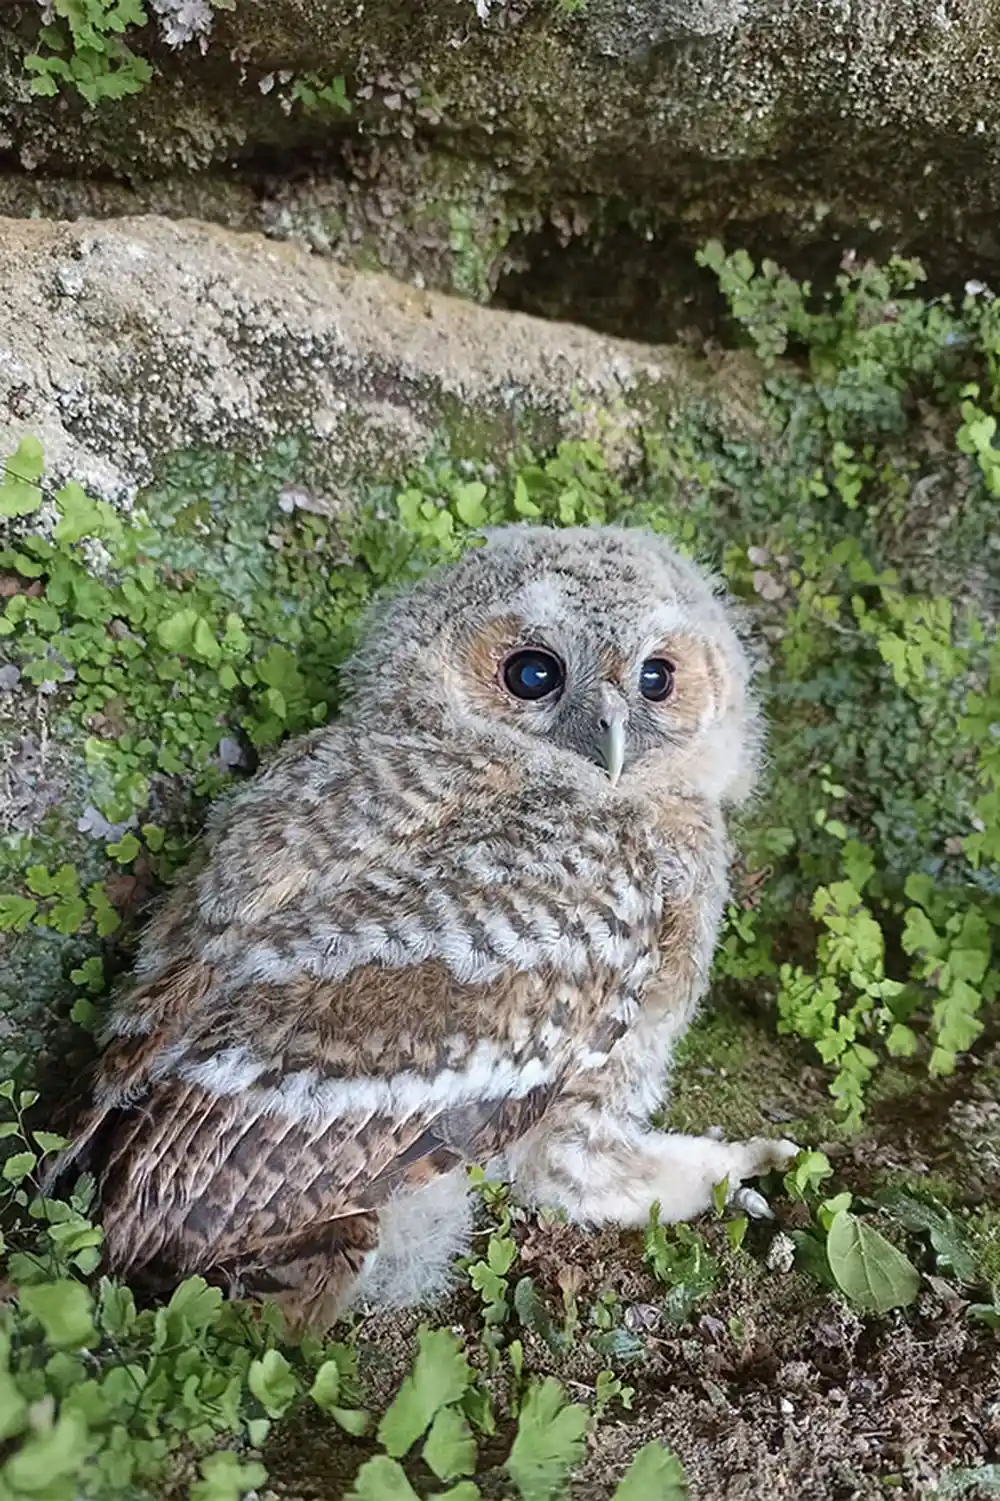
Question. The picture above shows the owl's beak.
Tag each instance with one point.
(610, 743)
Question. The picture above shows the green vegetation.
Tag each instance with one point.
(84, 49)
(151, 656)
(313, 94)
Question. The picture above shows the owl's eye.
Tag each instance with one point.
(656, 679)
(533, 674)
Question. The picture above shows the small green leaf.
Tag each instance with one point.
(868, 1269)
(469, 504)
(273, 1383)
(225, 1477)
(353, 1420)
(204, 643)
(48, 1141)
(807, 1172)
(82, 516)
(18, 1167)
(736, 1231)
(125, 850)
(19, 495)
(65, 1311)
(13, 1407)
(523, 504)
(176, 631)
(382, 1479)
(326, 1386)
(196, 1306)
(654, 1475)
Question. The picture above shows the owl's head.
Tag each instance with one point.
(604, 644)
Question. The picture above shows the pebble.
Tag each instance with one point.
(781, 1253)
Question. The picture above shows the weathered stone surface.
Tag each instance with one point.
(485, 135)
(123, 341)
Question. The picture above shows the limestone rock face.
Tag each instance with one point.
(123, 341)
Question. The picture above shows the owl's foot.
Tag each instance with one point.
(686, 1170)
(618, 1171)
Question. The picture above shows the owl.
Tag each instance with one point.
(466, 924)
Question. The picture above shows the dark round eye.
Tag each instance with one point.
(656, 679)
(533, 674)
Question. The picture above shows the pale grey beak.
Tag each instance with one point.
(610, 745)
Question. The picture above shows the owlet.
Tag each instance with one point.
(467, 922)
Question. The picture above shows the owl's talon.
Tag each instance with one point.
(752, 1203)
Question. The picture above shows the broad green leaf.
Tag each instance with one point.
(13, 1407)
(65, 1311)
(868, 1269)
(950, 1241)
(176, 631)
(549, 1442)
(469, 504)
(440, 1376)
(450, 1448)
(654, 1475)
(16, 912)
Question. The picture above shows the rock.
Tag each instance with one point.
(476, 146)
(781, 1253)
(181, 336)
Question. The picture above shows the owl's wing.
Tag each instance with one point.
(387, 967)
(195, 1179)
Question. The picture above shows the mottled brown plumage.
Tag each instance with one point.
(468, 921)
